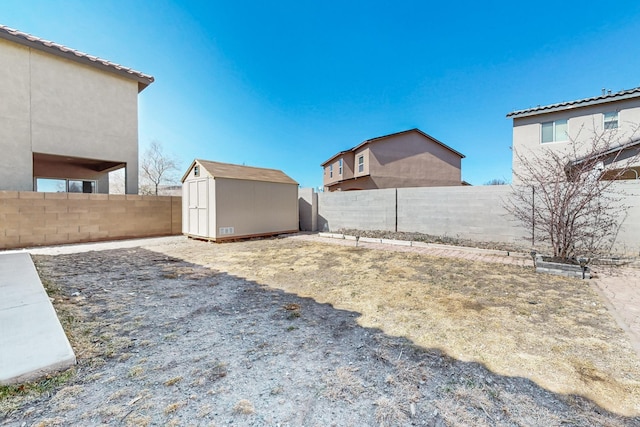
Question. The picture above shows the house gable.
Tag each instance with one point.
(410, 158)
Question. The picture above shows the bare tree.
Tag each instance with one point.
(568, 198)
(156, 168)
(496, 181)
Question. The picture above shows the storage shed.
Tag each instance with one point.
(222, 201)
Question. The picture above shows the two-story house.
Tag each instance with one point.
(612, 117)
(66, 118)
(404, 159)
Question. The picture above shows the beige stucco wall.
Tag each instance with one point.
(582, 124)
(35, 219)
(15, 169)
(412, 161)
(52, 105)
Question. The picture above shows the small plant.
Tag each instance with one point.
(243, 407)
(173, 407)
(136, 371)
(172, 381)
(293, 310)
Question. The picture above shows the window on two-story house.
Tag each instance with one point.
(330, 171)
(340, 167)
(611, 120)
(555, 131)
(361, 163)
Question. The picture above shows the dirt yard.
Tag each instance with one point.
(284, 332)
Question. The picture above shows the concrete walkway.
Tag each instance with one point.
(618, 287)
(32, 341)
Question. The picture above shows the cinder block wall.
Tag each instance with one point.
(36, 219)
(474, 212)
(362, 210)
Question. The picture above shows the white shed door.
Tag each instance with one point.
(198, 224)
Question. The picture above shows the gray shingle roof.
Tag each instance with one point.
(34, 42)
(601, 99)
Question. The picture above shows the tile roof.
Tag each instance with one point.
(250, 173)
(368, 141)
(34, 42)
(601, 99)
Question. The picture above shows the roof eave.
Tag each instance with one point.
(378, 138)
(581, 103)
(61, 51)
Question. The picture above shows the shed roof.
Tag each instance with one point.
(34, 42)
(231, 171)
(378, 138)
(585, 102)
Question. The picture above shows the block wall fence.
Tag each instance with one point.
(468, 212)
(37, 219)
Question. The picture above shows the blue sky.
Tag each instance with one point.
(287, 84)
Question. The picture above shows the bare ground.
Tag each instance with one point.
(290, 333)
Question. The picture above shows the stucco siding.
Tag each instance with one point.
(582, 125)
(16, 169)
(411, 161)
(53, 105)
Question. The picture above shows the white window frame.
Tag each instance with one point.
(340, 167)
(614, 117)
(361, 163)
(554, 136)
(331, 170)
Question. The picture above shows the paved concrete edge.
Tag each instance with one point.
(32, 343)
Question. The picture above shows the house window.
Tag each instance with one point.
(611, 120)
(340, 167)
(196, 170)
(56, 185)
(361, 163)
(330, 171)
(554, 131)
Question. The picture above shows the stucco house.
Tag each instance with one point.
(66, 118)
(567, 125)
(222, 201)
(409, 158)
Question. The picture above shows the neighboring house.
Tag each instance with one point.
(614, 116)
(221, 201)
(405, 159)
(66, 118)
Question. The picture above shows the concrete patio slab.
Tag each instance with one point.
(32, 341)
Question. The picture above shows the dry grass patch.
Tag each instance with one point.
(343, 384)
(552, 330)
(388, 413)
(172, 381)
(173, 407)
(244, 407)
